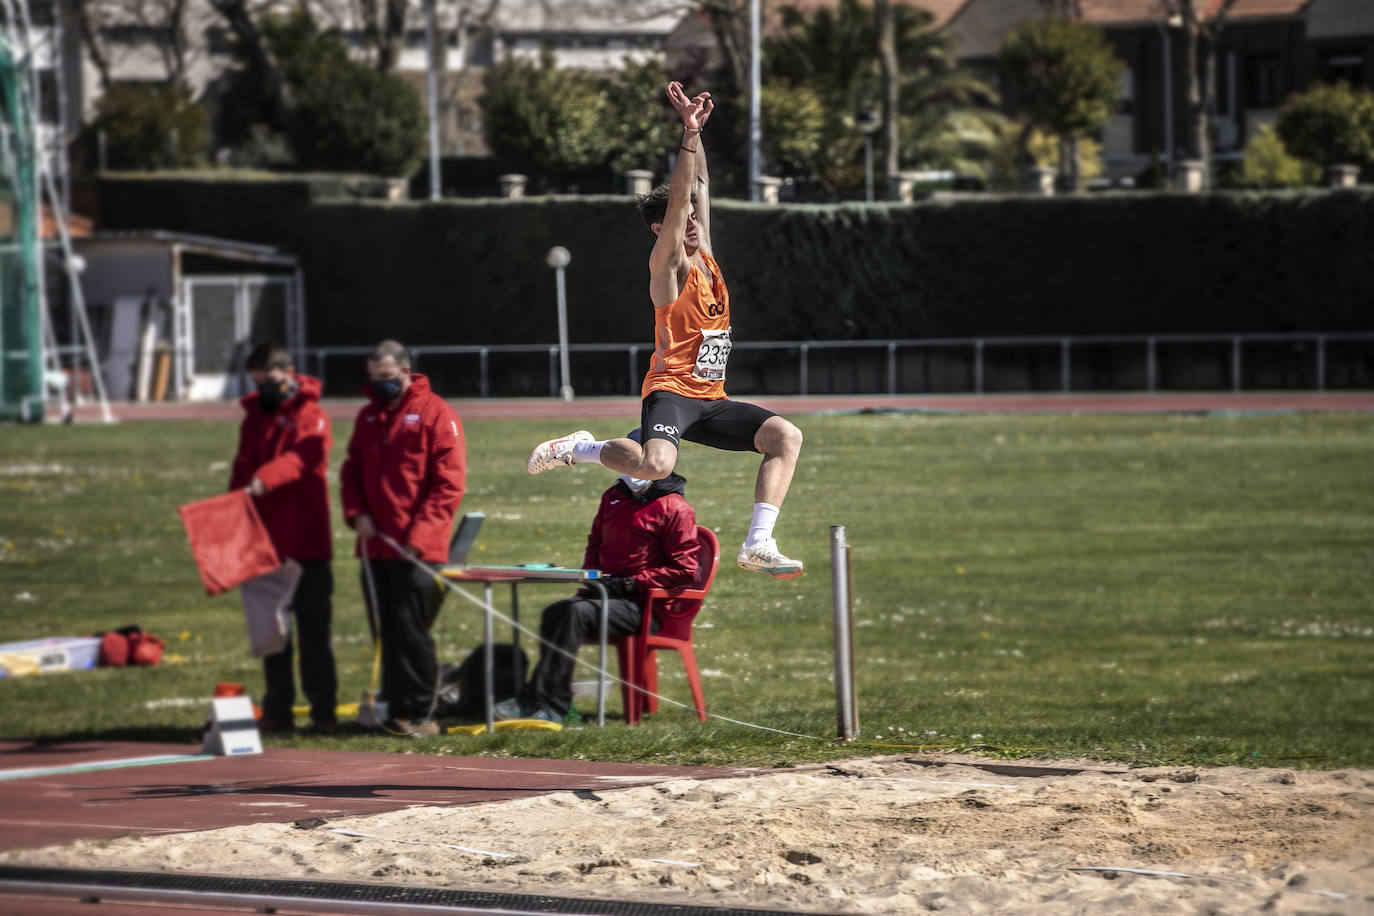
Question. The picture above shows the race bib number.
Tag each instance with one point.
(712, 355)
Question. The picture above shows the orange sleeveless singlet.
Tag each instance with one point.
(692, 339)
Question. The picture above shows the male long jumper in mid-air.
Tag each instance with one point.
(684, 390)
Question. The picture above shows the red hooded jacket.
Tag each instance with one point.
(407, 468)
(651, 537)
(288, 450)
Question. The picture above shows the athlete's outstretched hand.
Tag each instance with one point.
(695, 110)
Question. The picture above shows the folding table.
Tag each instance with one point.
(534, 572)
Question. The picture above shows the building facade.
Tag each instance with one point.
(1266, 50)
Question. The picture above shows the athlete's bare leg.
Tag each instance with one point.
(652, 461)
(780, 443)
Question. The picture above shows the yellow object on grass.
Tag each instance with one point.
(508, 725)
(343, 710)
(19, 664)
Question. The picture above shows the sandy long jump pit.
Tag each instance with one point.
(952, 833)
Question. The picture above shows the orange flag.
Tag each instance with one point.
(228, 539)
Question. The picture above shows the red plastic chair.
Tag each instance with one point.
(638, 663)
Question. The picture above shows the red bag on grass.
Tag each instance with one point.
(229, 541)
(146, 649)
(114, 649)
(130, 646)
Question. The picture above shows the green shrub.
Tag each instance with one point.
(645, 127)
(544, 121)
(352, 118)
(1268, 164)
(1063, 76)
(315, 107)
(1329, 125)
(150, 126)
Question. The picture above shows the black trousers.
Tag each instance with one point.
(313, 608)
(568, 624)
(408, 601)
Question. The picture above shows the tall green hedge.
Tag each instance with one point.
(473, 271)
(265, 207)
(1132, 264)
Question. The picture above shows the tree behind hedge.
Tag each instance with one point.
(1064, 78)
(830, 55)
(356, 119)
(335, 113)
(151, 127)
(1329, 125)
(544, 121)
(644, 125)
(1268, 164)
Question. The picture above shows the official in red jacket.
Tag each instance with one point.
(644, 536)
(404, 477)
(283, 460)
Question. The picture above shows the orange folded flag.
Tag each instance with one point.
(228, 540)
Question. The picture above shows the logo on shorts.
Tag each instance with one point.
(670, 430)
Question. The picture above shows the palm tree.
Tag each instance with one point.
(834, 53)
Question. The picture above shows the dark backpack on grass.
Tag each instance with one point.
(462, 690)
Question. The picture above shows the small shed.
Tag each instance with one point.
(174, 315)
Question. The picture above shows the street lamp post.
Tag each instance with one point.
(868, 123)
(432, 68)
(558, 258)
(1166, 40)
(755, 90)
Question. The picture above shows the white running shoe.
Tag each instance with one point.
(765, 557)
(555, 452)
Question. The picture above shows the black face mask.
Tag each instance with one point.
(384, 391)
(272, 395)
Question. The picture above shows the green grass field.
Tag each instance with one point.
(1153, 589)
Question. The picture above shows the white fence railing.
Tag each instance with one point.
(886, 353)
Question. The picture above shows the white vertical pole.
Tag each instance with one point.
(559, 258)
(1168, 40)
(755, 80)
(436, 55)
(846, 715)
(488, 657)
(565, 390)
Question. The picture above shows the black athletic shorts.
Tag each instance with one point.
(721, 423)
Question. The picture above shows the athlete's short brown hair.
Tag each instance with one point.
(653, 207)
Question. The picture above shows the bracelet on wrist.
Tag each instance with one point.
(689, 149)
(692, 130)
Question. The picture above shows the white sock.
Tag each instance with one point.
(761, 525)
(587, 452)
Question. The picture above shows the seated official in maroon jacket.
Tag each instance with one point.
(404, 477)
(644, 536)
(283, 460)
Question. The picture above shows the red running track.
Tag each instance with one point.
(791, 405)
(280, 785)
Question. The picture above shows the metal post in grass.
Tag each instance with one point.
(559, 258)
(846, 700)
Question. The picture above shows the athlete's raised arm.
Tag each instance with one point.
(703, 190)
(668, 260)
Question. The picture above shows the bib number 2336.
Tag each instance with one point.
(712, 355)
